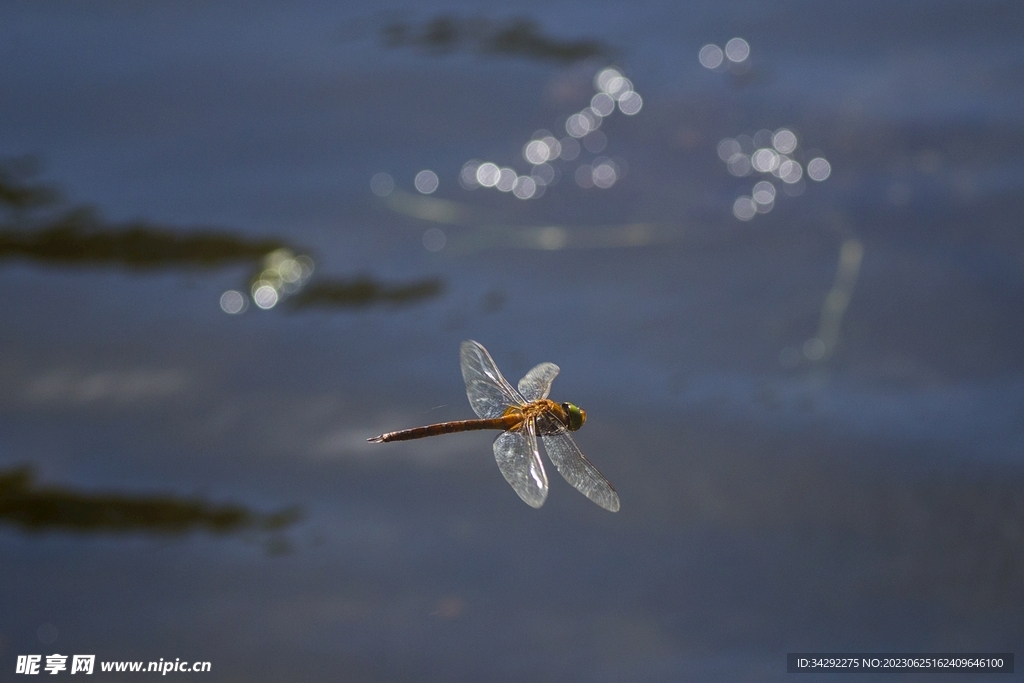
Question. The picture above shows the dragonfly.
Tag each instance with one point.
(523, 416)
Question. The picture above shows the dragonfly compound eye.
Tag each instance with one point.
(577, 416)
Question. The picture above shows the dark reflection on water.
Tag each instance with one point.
(365, 291)
(80, 236)
(517, 37)
(35, 508)
(16, 193)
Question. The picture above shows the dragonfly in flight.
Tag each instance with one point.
(523, 415)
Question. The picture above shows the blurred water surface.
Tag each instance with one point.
(783, 274)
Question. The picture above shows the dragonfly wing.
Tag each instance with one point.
(575, 467)
(489, 393)
(537, 382)
(519, 462)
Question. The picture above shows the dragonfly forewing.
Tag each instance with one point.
(574, 466)
(536, 384)
(519, 461)
(489, 393)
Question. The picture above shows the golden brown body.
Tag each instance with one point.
(513, 418)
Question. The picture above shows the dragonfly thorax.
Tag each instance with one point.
(569, 414)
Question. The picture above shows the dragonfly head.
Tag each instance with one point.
(577, 416)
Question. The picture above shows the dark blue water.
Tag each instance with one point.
(814, 418)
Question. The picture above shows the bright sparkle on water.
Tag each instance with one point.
(426, 182)
(773, 153)
(543, 150)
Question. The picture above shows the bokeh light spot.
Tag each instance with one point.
(790, 171)
(784, 141)
(602, 104)
(434, 239)
(570, 148)
(382, 184)
(426, 182)
(233, 302)
(818, 169)
(554, 146)
(764, 193)
(595, 141)
(814, 349)
(265, 296)
(630, 103)
(744, 208)
(577, 125)
(487, 174)
(543, 174)
(728, 147)
(525, 187)
(604, 174)
(506, 180)
(605, 76)
(739, 165)
(711, 56)
(536, 152)
(467, 176)
(764, 160)
(620, 87)
(737, 50)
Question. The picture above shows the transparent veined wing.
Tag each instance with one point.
(489, 393)
(574, 466)
(536, 383)
(519, 461)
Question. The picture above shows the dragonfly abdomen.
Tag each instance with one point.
(504, 422)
